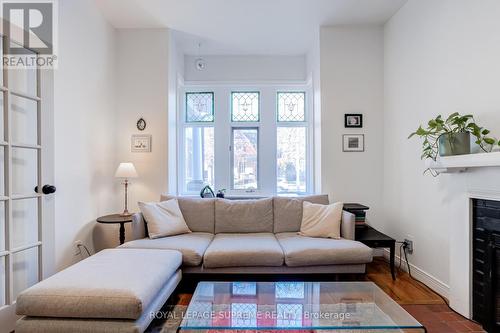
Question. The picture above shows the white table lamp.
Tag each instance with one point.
(126, 171)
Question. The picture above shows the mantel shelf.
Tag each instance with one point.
(461, 163)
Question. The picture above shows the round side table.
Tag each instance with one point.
(117, 218)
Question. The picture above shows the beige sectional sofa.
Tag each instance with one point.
(256, 236)
(118, 290)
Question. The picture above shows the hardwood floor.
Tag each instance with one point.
(404, 290)
(421, 302)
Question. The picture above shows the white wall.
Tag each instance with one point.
(84, 117)
(142, 91)
(107, 79)
(352, 82)
(247, 68)
(440, 57)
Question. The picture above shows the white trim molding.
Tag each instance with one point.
(432, 282)
(484, 194)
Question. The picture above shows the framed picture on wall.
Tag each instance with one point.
(353, 142)
(141, 143)
(353, 120)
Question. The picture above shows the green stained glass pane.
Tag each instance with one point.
(291, 106)
(199, 107)
(245, 106)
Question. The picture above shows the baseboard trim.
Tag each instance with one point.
(432, 282)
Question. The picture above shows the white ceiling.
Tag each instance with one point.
(246, 26)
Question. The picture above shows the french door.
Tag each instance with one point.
(21, 175)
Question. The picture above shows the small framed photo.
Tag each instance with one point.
(353, 142)
(353, 120)
(141, 143)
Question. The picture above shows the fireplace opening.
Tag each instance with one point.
(486, 263)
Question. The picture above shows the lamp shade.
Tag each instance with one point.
(126, 170)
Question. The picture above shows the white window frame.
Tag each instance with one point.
(267, 137)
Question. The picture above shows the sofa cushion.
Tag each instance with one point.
(163, 218)
(243, 216)
(114, 283)
(321, 220)
(192, 246)
(308, 251)
(288, 211)
(236, 250)
(199, 213)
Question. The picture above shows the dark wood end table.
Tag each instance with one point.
(374, 239)
(117, 218)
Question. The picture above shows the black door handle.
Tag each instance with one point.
(46, 189)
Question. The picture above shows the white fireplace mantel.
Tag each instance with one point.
(461, 163)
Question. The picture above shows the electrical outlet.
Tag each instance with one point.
(76, 250)
(409, 246)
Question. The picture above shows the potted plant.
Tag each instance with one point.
(451, 136)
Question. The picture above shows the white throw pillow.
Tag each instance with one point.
(163, 218)
(321, 220)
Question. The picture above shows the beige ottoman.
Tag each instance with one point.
(116, 290)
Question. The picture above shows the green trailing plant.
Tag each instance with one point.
(455, 123)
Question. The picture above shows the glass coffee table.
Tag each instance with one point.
(299, 306)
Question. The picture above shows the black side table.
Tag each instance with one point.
(117, 218)
(374, 238)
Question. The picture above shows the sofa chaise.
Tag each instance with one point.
(113, 291)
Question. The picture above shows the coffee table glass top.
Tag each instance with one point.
(295, 306)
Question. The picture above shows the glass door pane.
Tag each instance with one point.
(2, 226)
(2, 171)
(2, 281)
(24, 120)
(24, 269)
(2, 99)
(24, 222)
(23, 81)
(24, 171)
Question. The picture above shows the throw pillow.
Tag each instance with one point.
(321, 220)
(163, 218)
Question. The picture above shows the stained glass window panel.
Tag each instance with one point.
(291, 106)
(244, 288)
(202, 314)
(291, 159)
(243, 315)
(289, 315)
(245, 106)
(245, 158)
(289, 289)
(199, 107)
